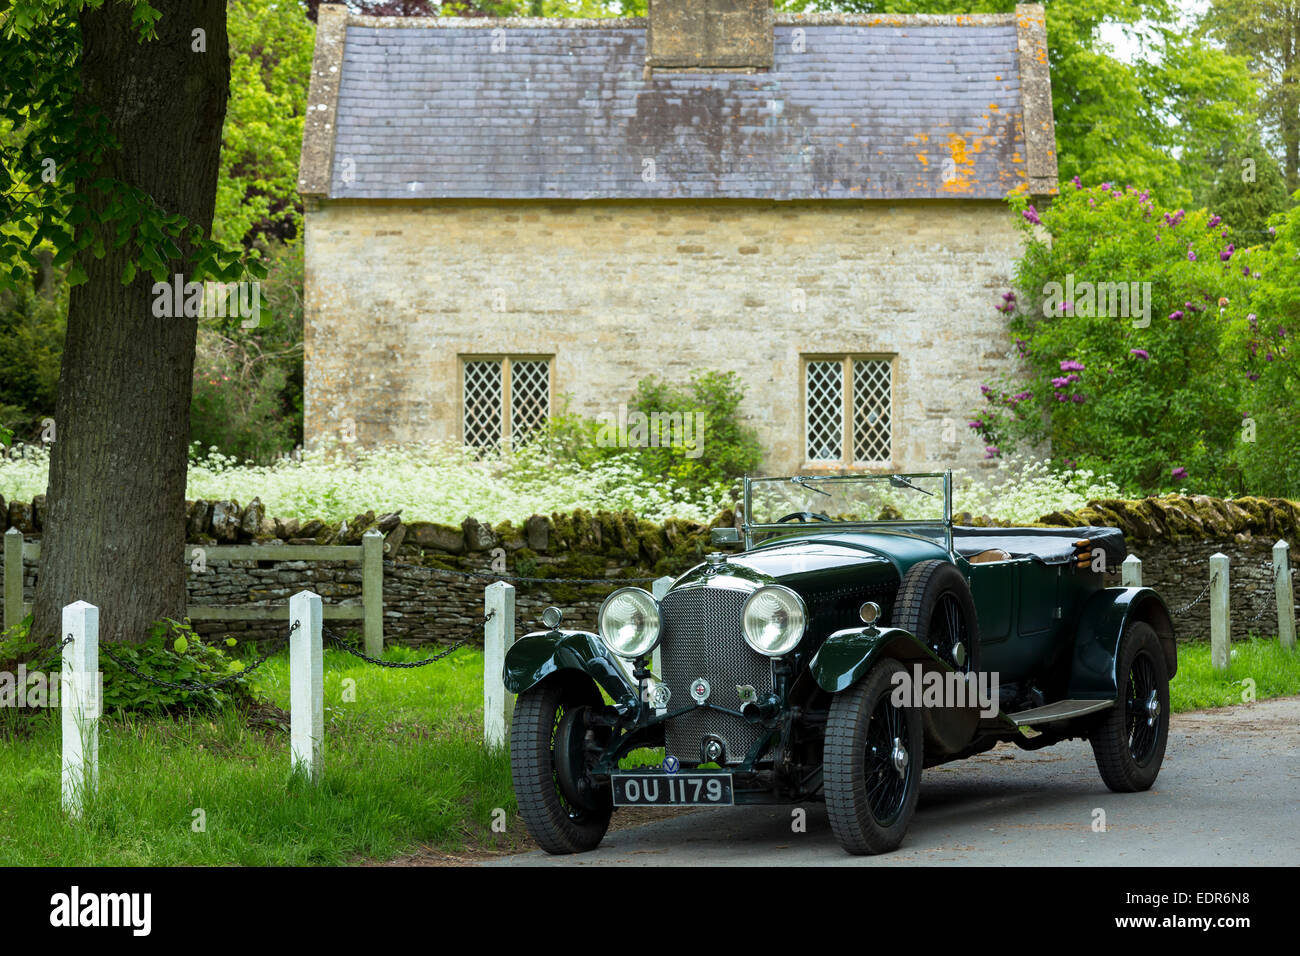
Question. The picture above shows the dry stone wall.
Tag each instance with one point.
(434, 574)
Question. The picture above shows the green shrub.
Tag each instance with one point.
(716, 447)
(172, 652)
(1262, 336)
(1154, 404)
(32, 325)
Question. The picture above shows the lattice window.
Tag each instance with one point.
(493, 385)
(530, 398)
(484, 384)
(848, 410)
(872, 390)
(824, 411)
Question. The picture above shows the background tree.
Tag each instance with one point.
(1267, 34)
(117, 110)
(1152, 397)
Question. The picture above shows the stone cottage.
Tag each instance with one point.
(505, 213)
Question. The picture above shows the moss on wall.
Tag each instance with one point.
(1183, 517)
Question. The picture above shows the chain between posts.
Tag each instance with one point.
(56, 656)
(330, 635)
(1214, 577)
(201, 685)
(1267, 597)
(1196, 600)
(344, 644)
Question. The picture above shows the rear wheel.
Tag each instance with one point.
(1129, 743)
(550, 751)
(935, 606)
(872, 766)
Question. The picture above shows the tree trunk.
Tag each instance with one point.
(1292, 108)
(115, 530)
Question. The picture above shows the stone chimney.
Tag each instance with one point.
(710, 34)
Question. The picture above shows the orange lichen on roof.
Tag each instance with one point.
(993, 107)
(921, 158)
(963, 158)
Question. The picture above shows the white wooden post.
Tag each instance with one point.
(659, 589)
(1130, 572)
(13, 577)
(80, 700)
(306, 686)
(1220, 635)
(1285, 594)
(498, 635)
(372, 590)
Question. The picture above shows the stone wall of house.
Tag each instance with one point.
(615, 291)
(434, 574)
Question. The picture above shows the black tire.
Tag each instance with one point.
(1129, 742)
(935, 606)
(563, 814)
(869, 801)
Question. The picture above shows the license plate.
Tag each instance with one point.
(672, 790)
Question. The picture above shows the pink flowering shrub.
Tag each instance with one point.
(1121, 318)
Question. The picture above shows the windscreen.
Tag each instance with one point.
(846, 499)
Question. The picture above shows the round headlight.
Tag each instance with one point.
(774, 620)
(630, 622)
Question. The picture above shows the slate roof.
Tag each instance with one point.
(887, 111)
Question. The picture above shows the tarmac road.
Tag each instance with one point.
(1228, 794)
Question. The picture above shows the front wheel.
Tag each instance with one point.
(550, 746)
(1129, 742)
(873, 761)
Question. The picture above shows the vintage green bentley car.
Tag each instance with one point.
(842, 651)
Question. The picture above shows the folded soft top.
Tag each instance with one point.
(1050, 545)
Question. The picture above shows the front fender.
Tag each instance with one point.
(1100, 629)
(535, 657)
(847, 655)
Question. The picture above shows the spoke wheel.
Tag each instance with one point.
(550, 752)
(1141, 708)
(935, 606)
(874, 751)
(1129, 741)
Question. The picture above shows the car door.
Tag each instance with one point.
(1016, 604)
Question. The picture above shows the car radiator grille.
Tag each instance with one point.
(702, 638)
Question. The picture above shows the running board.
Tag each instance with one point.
(1061, 710)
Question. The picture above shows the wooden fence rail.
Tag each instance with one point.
(369, 554)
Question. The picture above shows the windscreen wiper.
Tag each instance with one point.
(898, 481)
(802, 482)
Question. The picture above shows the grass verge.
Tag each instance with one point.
(404, 770)
(1259, 666)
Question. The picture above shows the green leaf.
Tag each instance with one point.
(77, 275)
(181, 645)
(128, 273)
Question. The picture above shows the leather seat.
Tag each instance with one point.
(989, 556)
